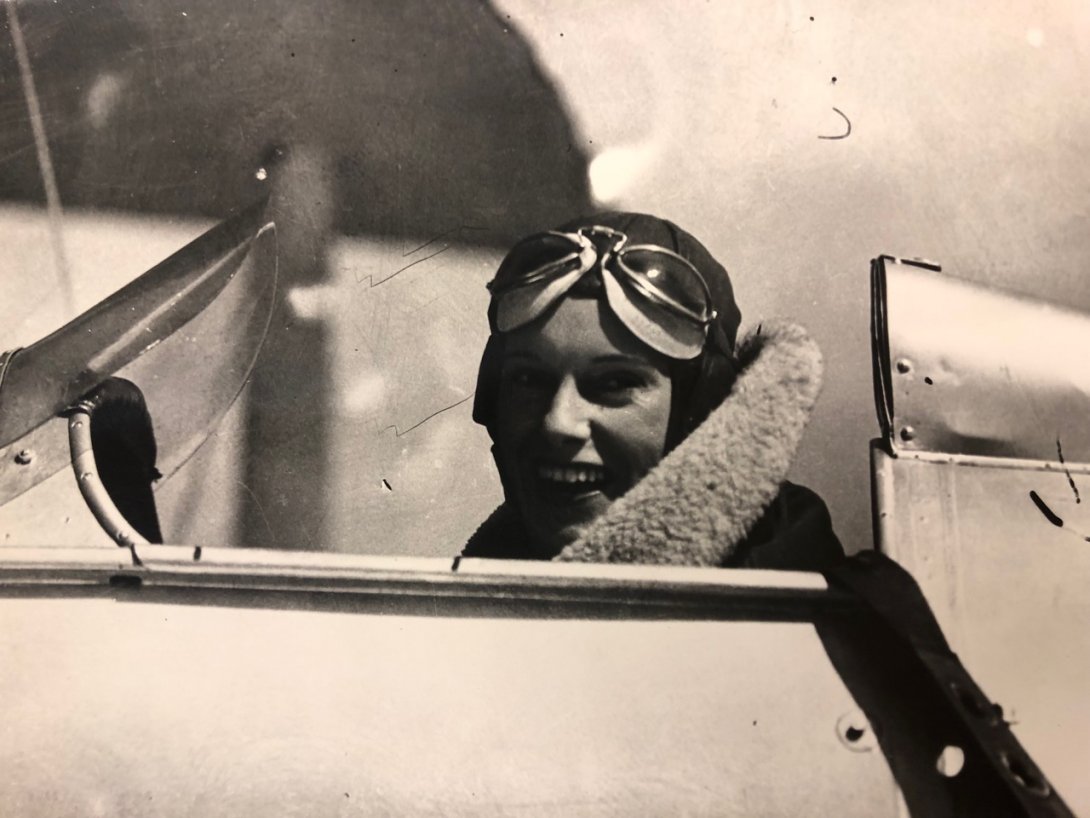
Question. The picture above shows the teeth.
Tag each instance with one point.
(569, 474)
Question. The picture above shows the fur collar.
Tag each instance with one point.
(701, 501)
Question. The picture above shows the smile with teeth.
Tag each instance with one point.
(573, 475)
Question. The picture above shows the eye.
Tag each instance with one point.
(616, 384)
(621, 380)
(526, 378)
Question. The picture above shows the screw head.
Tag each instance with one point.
(908, 434)
(24, 457)
(904, 366)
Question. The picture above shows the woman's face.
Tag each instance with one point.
(583, 414)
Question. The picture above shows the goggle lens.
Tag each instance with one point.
(535, 257)
(670, 277)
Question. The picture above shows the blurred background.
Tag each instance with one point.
(404, 145)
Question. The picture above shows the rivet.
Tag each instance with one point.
(975, 704)
(24, 457)
(855, 732)
(904, 366)
(908, 433)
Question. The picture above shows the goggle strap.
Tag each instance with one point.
(719, 337)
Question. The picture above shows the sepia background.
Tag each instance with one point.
(404, 145)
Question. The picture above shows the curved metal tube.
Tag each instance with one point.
(90, 485)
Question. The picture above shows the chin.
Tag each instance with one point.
(549, 540)
(555, 517)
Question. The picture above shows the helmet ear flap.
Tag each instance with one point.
(488, 384)
(700, 387)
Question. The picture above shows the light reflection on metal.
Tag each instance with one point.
(968, 370)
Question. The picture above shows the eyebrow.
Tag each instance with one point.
(631, 360)
(598, 360)
(525, 356)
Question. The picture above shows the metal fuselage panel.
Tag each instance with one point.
(1007, 585)
(423, 699)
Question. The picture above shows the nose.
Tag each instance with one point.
(569, 412)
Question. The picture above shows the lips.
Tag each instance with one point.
(570, 489)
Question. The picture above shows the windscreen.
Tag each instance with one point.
(132, 129)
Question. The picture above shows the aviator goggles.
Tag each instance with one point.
(660, 296)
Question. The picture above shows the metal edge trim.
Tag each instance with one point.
(983, 461)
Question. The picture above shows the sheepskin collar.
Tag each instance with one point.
(702, 499)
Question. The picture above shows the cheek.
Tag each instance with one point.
(635, 436)
(516, 420)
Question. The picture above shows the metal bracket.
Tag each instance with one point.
(924, 705)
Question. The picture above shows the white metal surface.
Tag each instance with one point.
(137, 702)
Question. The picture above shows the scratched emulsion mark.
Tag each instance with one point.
(846, 133)
(1052, 516)
(371, 279)
(442, 235)
(1067, 471)
(398, 433)
(54, 211)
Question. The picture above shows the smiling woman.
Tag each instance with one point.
(627, 424)
(582, 416)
